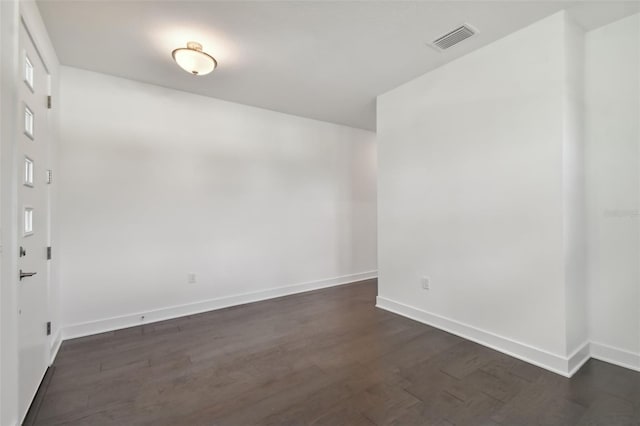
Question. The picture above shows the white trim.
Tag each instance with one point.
(565, 366)
(162, 314)
(617, 356)
(55, 346)
(33, 397)
(553, 362)
(578, 358)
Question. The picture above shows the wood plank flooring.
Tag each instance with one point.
(326, 357)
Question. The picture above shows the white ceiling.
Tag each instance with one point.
(318, 59)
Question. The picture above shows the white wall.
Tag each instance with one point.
(472, 182)
(157, 183)
(613, 138)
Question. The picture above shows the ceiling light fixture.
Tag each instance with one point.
(193, 60)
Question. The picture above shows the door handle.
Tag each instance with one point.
(26, 274)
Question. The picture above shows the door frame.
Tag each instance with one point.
(14, 13)
(36, 100)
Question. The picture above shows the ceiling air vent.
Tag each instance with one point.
(454, 37)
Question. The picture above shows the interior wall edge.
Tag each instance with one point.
(116, 323)
(565, 366)
(578, 358)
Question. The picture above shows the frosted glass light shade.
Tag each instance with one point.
(193, 60)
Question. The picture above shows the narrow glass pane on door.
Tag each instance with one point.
(28, 221)
(28, 72)
(28, 171)
(28, 122)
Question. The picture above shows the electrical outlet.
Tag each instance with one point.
(426, 283)
(191, 278)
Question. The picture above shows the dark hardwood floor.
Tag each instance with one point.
(326, 357)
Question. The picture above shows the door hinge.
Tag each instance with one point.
(49, 176)
(49, 102)
(49, 253)
(48, 328)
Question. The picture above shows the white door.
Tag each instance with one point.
(33, 210)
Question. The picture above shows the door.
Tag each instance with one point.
(33, 212)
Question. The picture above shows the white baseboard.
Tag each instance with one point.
(616, 356)
(115, 323)
(565, 366)
(578, 358)
(55, 346)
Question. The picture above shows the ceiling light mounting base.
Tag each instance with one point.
(194, 45)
